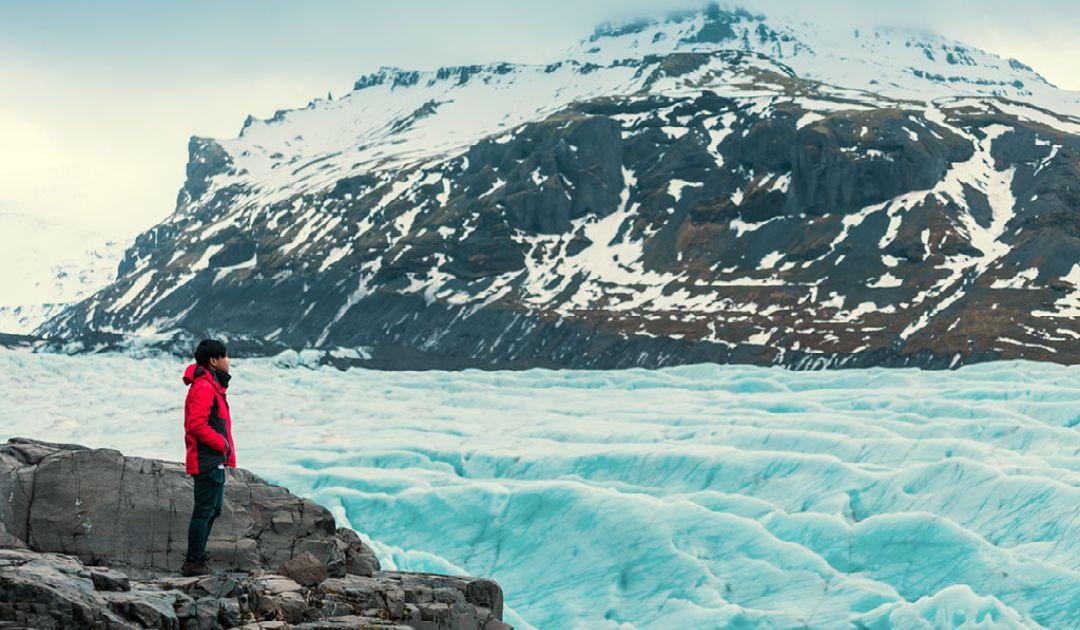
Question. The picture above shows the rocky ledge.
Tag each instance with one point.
(90, 538)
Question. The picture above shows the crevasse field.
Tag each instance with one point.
(693, 497)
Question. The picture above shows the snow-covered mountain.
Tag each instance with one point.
(709, 186)
(47, 267)
(902, 64)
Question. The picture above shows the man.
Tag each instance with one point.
(208, 438)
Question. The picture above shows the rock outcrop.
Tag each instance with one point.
(90, 538)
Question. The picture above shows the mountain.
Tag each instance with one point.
(709, 186)
(47, 267)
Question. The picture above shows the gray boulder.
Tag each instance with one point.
(106, 579)
(146, 608)
(305, 569)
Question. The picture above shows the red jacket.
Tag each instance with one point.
(207, 424)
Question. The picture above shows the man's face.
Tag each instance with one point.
(220, 365)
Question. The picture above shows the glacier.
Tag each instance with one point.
(696, 496)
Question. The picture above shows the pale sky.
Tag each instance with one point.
(98, 99)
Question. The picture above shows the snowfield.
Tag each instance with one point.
(698, 496)
(49, 266)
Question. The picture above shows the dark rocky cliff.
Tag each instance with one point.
(90, 538)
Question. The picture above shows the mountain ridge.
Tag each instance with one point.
(684, 205)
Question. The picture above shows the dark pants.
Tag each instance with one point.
(209, 495)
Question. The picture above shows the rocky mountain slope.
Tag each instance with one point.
(711, 186)
(91, 538)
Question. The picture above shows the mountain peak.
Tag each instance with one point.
(897, 62)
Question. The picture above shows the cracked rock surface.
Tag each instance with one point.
(90, 538)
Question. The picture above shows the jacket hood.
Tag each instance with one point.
(191, 373)
(195, 370)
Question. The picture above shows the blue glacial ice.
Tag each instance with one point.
(700, 496)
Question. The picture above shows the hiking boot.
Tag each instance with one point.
(195, 568)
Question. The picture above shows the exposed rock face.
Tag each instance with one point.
(91, 538)
(133, 512)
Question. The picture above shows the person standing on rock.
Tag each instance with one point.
(209, 443)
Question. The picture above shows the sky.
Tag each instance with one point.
(99, 99)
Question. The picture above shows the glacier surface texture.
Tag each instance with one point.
(697, 496)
